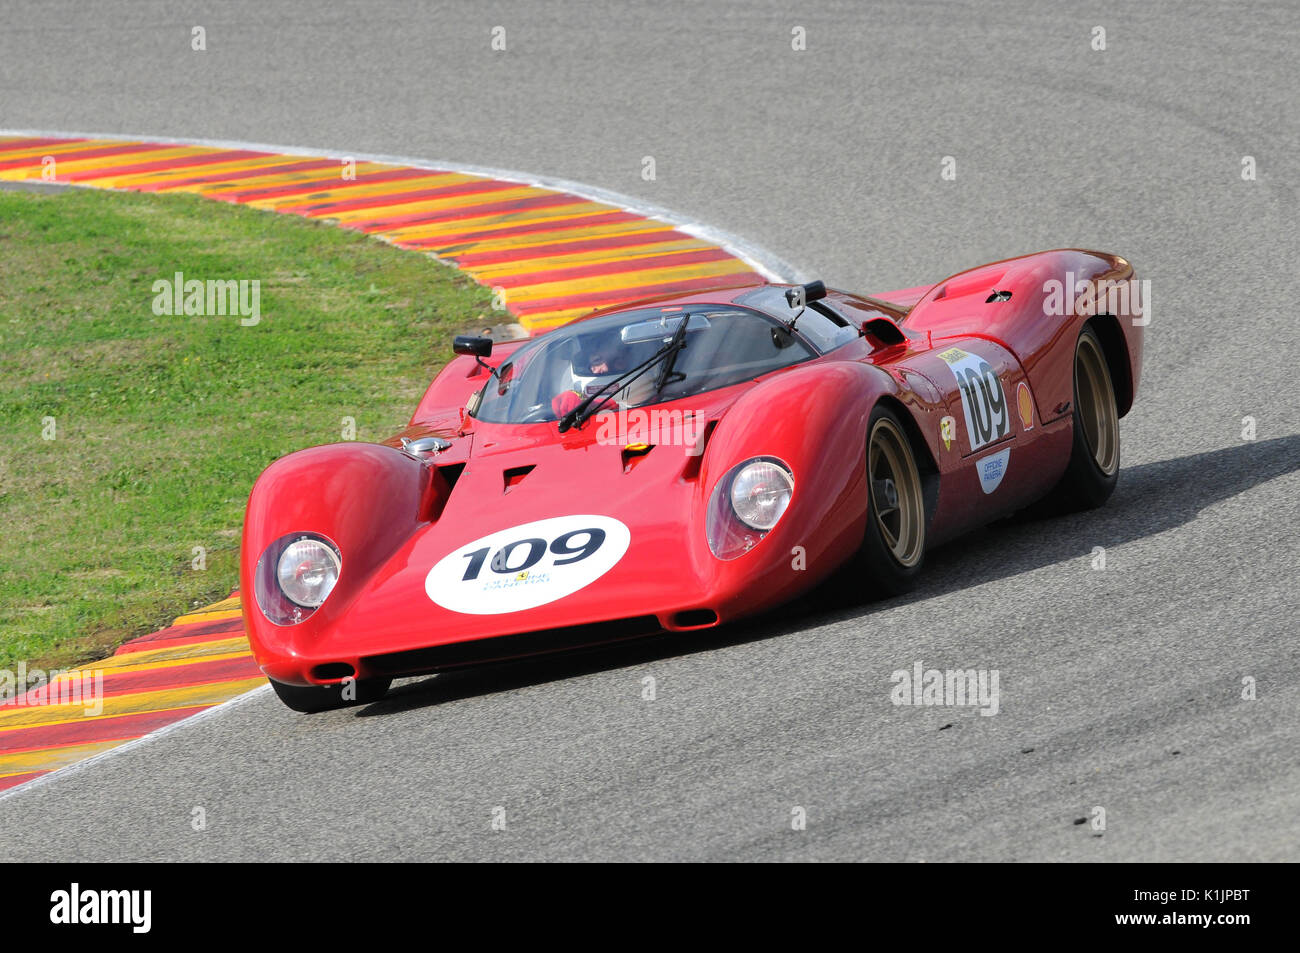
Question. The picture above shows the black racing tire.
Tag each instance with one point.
(893, 546)
(1093, 470)
(311, 699)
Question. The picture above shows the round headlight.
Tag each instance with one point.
(307, 571)
(760, 493)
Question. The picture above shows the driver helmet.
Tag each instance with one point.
(598, 361)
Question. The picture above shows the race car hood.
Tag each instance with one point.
(532, 529)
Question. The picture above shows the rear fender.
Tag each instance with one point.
(1036, 306)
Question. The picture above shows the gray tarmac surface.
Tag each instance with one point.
(1121, 688)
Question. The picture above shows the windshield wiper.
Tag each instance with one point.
(674, 348)
(591, 404)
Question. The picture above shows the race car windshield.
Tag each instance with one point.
(724, 345)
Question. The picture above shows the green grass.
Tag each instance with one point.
(163, 423)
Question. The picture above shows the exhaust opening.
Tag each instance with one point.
(333, 671)
(695, 618)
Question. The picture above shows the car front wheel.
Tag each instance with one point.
(894, 545)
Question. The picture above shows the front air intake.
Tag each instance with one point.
(509, 646)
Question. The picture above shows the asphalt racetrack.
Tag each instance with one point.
(1121, 688)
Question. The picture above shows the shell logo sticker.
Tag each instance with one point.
(1025, 404)
(527, 566)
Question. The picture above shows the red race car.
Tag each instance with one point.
(678, 463)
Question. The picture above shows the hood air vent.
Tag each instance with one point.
(515, 475)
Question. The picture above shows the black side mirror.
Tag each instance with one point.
(798, 296)
(472, 346)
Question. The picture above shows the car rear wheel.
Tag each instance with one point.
(317, 698)
(894, 545)
(1093, 469)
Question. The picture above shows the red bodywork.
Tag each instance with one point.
(393, 516)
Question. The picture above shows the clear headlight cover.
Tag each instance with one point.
(746, 504)
(760, 493)
(307, 571)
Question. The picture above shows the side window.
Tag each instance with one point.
(828, 329)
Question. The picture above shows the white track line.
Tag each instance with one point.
(77, 766)
(760, 259)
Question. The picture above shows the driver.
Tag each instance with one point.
(599, 362)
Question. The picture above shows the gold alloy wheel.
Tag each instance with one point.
(896, 500)
(1096, 411)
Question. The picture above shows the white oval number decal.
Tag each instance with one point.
(527, 566)
(982, 399)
